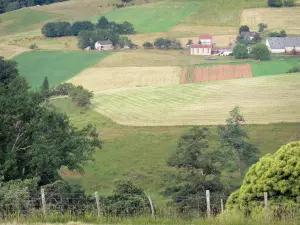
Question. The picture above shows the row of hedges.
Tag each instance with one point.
(59, 29)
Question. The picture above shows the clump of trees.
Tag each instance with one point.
(240, 51)
(59, 29)
(281, 33)
(8, 5)
(80, 96)
(36, 139)
(295, 69)
(280, 3)
(126, 200)
(260, 52)
(276, 174)
(148, 45)
(165, 43)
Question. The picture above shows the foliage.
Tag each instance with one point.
(244, 28)
(36, 139)
(45, 89)
(126, 200)
(262, 27)
(124, 41)
(243, 40)
(122, 28)
(282, 33)
(103, 23)
(89, 38)
(199, 170)
(56, 29)
(33, 47)
(256, 38)
(11, 6)
(148, 45)
(14, 195)
(81, 25)
(80, 96)
(276, 174)
(289, 3)
(61, 89)
(233, 139)
(165, 43)
(260, 51)
(275, 3)
(295, 69)
(240, 51)
(190, 42)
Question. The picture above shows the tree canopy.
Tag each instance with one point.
(240, 51)
(244, 28)
(260, 51)
(277, 174)
(36, 139)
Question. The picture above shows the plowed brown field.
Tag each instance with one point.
(212, 73)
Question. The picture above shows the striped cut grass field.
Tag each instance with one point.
(289, 19)
(101, 79)
(267, 99)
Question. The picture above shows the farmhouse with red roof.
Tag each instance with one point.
(204, 47)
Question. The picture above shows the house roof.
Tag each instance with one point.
(248, 33)
(283, 42)
(201, 46)
(106, 42)
(205, 36)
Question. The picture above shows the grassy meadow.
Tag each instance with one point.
(155, 17)
(23, 19)
(204, 103)
(57, 66)
(140, 153)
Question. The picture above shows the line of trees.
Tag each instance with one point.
(280, 3)
(163, 43)
(10, 5)
(259, 52)
(62, 28)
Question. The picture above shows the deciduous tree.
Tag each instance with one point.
(260, 52)
(240, 51)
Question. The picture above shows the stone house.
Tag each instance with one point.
(104, 45)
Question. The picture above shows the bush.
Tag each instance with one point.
(125, 41)
(148, 45)
(294, 70)
(244, 28)
(260, 51)
(261, 27)
(240, 51)
(275, 3)
(282, 33)
(289, 3)
(57, 29)
(81, 25)
(165, 43)
(80, 96)
(61, 89)
(278, 174)
(33, 47)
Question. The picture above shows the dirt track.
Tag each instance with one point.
(212, 73)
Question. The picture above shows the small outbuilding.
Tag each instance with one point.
(104, 45)
(201, 49)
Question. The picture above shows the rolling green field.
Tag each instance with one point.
(140, 153)
(205, 103)
(23, 19)
(57, 66)
(154, 17)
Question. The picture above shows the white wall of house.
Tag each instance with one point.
(200, 51)
(277, 50)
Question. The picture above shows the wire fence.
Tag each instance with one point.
(196, 206)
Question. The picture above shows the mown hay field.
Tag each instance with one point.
(287, 19)
(140, 153)
(154, 17)
(9, 51)
(57, 66)
(276, 97)
(101, 79)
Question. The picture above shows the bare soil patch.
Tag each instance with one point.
(213, 73)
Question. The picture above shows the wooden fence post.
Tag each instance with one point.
(98, 204)
(208, 203)
(43, 201)
(152, 207)
(222, 206)
(266, 206)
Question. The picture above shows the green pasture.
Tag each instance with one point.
(140, 153)
(154, 17)
(57, 66)
(23, 19)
